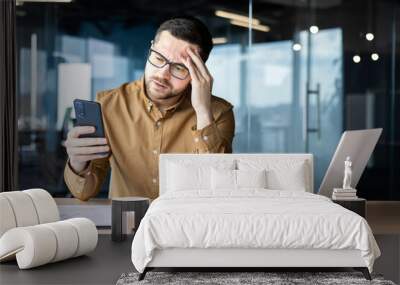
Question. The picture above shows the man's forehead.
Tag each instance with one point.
(172, 47)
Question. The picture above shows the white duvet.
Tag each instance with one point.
(251, 218)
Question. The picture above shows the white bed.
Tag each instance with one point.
(197, 224)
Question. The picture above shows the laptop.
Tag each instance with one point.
(358, 145)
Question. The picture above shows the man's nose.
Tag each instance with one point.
(163, 72)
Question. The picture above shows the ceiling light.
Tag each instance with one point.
(236, 17)
(369, 36)
(220, 40)
(262, 28)
(296, 47)
(356, 58)
(314, 29)
(374, 56)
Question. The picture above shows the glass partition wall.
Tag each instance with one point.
(298, 73)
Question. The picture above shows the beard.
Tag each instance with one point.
(161, 89)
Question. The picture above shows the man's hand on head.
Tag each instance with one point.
(202, 82)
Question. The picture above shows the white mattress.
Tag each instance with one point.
(251, 218)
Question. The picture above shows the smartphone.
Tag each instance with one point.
(88, 113)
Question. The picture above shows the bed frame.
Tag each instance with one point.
(248, 259)
(242, 259)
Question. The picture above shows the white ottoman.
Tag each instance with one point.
(31, 232)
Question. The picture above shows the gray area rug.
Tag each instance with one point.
(229, 278)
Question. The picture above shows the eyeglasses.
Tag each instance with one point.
(177, 70)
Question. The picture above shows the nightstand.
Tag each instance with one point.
(357, 205)
(119, 205)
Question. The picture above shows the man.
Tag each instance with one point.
(169, 110)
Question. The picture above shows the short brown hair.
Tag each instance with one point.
(189, 29)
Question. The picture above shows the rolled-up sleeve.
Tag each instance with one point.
(87, 183)
(217, 137)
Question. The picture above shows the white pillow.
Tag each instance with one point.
(223, 179)
(193, 174)
(236, 179)
(282, 174)
(251, 178)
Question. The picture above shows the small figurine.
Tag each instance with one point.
(347, 173)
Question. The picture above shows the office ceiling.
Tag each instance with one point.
(282, 16)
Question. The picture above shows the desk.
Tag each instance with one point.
(104, 265)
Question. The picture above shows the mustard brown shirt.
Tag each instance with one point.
(137, 132)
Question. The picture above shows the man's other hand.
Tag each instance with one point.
(82, 150)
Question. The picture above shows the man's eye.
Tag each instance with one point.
(179, 68)
(159, 58)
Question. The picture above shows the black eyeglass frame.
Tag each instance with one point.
(167, 61)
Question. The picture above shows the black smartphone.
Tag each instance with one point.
(88, 113)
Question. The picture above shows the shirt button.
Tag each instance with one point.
(205, 138)
(154, 180)
(154, 151)
(196, 139)
(158, 123)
